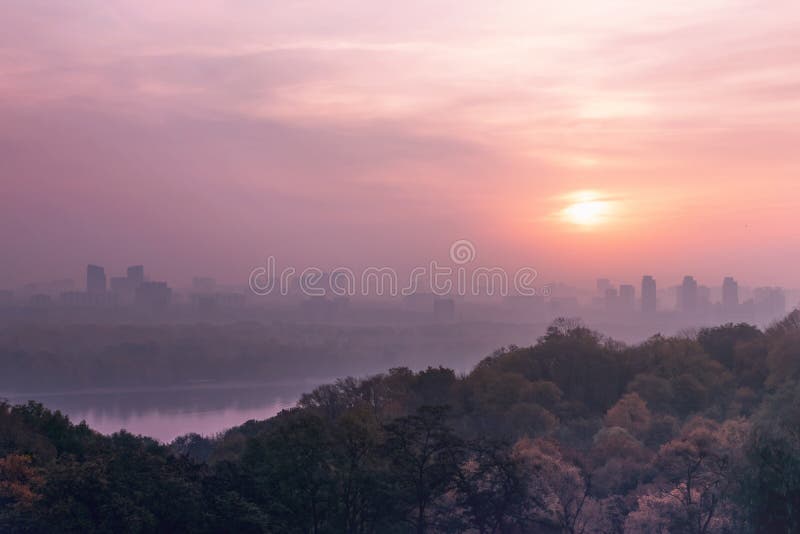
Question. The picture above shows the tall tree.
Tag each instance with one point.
(425, 456)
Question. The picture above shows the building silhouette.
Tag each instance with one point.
(95, 279)
(135, 276)
(124, 287)
(687, 295)
(730, 295)
(649, 302)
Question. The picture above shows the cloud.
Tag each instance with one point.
(358, 119)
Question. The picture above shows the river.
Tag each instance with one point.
(166, 413)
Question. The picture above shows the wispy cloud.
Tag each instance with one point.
(467, 115)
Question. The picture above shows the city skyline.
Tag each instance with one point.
(690, 296)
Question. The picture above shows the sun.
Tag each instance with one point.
(587, 209)
(587, 213)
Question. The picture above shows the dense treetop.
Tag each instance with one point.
(698, 433)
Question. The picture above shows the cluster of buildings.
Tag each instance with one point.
(131, 289)
(646, 306)
(692, 299)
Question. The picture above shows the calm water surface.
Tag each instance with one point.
(165, 413)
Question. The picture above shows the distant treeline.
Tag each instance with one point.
(579, 433)
(38, 358)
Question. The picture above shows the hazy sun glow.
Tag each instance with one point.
(308, 129)
(586, 209)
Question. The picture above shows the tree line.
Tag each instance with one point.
(697, 433)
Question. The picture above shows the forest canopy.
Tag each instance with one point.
(696, 433)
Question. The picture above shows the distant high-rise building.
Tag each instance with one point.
(95, 279)
(627, 297)
(730, 295)
(648, 294)
(136, 275)
(687, 296)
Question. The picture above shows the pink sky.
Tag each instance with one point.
(198, 137)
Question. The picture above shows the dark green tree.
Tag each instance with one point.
(425, 456)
